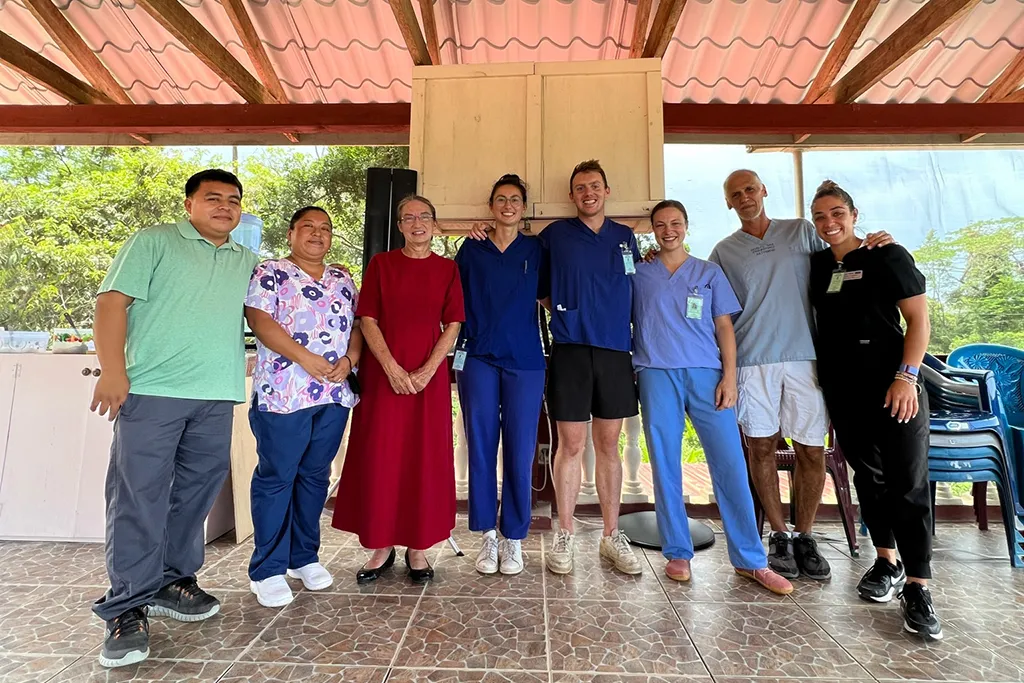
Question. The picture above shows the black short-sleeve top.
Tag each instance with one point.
(858, 327)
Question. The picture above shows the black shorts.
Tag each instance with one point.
(586, 381)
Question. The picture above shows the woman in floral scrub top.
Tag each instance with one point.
(301, 311)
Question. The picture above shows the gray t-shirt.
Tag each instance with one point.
(771, 278)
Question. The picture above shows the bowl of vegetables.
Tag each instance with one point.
(66, 340)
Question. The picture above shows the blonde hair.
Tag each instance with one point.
(416, 198)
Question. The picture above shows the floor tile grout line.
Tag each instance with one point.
(73, 663)
(238, 658)
(408, 624)
(836, 641)
(544, 607)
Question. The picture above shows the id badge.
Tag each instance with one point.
(836, 283)
(694, 306)
(460, 360)
(627, 259)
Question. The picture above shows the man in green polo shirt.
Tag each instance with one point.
(169, 336)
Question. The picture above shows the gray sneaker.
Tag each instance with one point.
(184, 600)
(780, 555)
(127, 639)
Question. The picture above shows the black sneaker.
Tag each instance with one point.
(780, 555)
(811, 563)
(882, 581)
(127, 639)
(184, 600)
(918, 614)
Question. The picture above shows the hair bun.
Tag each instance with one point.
(828, 185)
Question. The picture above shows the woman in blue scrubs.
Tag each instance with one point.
(685, 357)
(500, 374)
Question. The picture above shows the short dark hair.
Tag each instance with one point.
(508, 179)
(588, 166)
(298, 215)
(669, 204)
(829, 188)
(416, 198)
(213, 175)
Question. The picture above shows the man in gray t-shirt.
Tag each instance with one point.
(768, 264)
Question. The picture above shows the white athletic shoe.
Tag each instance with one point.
(314, 576)
(272, 592)
(487, 559)
(510, 554)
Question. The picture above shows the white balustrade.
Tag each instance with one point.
(632, 489)
(461, 454)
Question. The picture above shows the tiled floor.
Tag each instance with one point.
(594, 626)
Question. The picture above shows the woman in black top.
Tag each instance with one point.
(868, 370)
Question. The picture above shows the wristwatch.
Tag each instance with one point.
(909, 369)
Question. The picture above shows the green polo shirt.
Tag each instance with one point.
(185, 327)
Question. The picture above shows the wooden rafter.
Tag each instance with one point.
(1015, 96)
(47, 74)
(929, 21)
(430, 30)
(180, 23)
(840, 51)
(242, 22)
(448, 17)
(664, 26)
(642, 17)
(72, 45)
(405, 16)
(1009, 80)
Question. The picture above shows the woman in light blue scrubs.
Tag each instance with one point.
(501, 380)
(684, 352)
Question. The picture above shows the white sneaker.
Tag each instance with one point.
(272, 592)
(560, 559)
(510, 554)
(314, 576)
(487, 560)
(617, 549)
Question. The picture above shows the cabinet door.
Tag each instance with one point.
(91, 510)
(43, 465)
(8, 378)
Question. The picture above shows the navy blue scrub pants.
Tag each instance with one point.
(506, 402)
(289, 486)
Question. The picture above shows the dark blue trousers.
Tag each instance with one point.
(289, 486)
(506, 403)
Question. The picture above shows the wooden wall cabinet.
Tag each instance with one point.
(473, 123)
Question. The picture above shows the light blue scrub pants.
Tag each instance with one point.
(666, 396)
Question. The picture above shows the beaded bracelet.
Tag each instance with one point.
(907, 377)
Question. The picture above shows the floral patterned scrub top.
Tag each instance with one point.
(318, 315)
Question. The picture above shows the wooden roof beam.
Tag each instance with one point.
(180, 23)
(405, 16)
(663, 28)
(643, 16)
(840, 51)
(47, 74)
(72, 45)
(1009, 80)
(929, 21)
(430, 30)
(243, 25)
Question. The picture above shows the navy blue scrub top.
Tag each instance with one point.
(500, 290)
(591, 294)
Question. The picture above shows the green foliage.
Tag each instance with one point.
(975, 284)
(65, 211)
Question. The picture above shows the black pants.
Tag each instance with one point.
(890, 464)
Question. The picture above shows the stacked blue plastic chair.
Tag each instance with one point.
(970, 440)
(1007, 364)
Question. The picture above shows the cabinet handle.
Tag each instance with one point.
(96, 372)
(86, 372)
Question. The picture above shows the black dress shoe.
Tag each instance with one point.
(418, 575)
(366, 575)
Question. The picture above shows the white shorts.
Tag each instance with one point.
(782, 396)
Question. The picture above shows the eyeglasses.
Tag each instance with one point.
(515, 201)
(410, 219)
(322, 229)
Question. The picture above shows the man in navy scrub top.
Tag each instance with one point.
(588, 287)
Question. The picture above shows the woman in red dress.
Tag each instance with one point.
(398, 483)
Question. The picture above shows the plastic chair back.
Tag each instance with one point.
(1007, 364)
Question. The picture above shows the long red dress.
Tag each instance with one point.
(398, 483)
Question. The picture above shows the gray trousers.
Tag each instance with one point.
(168, 463)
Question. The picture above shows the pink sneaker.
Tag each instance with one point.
(769, 579)
(678, 570)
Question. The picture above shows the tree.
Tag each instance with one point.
(975, 284)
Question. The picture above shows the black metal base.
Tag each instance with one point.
(642, 529)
